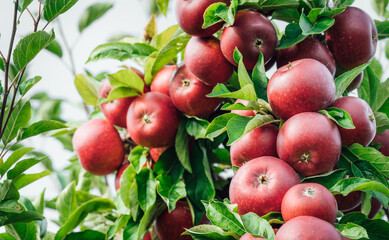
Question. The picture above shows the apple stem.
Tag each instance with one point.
(185, 83)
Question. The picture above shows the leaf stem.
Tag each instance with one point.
(33, 19)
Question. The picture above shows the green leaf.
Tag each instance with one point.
(29, 46)
(344, 80)
(117, 93)
(120, 223)
(293, 35)
(94, 205)
(146, 189)
(382, 97)
(181, 146)
(138, 158)
(133, 199)
(377, 229)
(128, 177)
(246, 93)
(22, 166)
(25, 179)
(372, 155)
(219, 125)
(369, 86)
(92, 13)
(13, 158)
(244, 78)
(120, 51)
(39, 128)
(8, 191)
(88, 88)
(328, 180)
(23, 4)
(210, 232)
(164, 37)
(169, 191)
(151, 28)
(19, 118)
(197, 127)
(126, 78)
(163, 6)
(287, 15)
(24, 217)
(382, 121)
(343, 3)
(339, 116)
(23, 231)
(10, 206)
(215, 13)
(257, 225)
(382, 29)
(380, 6)
(168, 164)
(53, 8)
(25, 86)
(66, 202)
(318, 27)
(54, 48)
(87, 234)
(352, 230)
(272, 4)
(260, 80)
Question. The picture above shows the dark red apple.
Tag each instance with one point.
(152, 120)
(310, 143)
(349, 202)
(155, 153)
(98, 146)
(161, 80)
(190, 17)
(188, 93)
(309, 199)
(257, 143)
(307, 228)
(363, 119)
(309, 48)
(119, 174)
(251, 33)
(204, 58)
(271, 62)
(147, 236)
(246, 113)
(304, 85)
(170, 226)
(247, 236)
(260, 184)
(383, 139)
(353, 38)
(376, 206)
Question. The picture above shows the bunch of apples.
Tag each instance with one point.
(271, 157)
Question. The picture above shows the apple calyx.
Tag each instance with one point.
(258, 43)
(309, 192)
(185, 83)
(371, 117)
(146, 118)
(304, 158)
(263, 180)
(290, 66)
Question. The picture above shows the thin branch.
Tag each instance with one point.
(68, 49)
(33, 19)
(39, 16)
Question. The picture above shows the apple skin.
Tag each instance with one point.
(309, 48)
(348, 202)
(353, 38)
(188, 93)
(170, 226)
(204, 58)
(155, 153)
(310, 143)
(304, 85)
(161, 80)
(383, 139)
(375, 208)
(363, 119)
(190, 17)
(152, 120)
(99, 147)
(309, 199)
(119, 174)
(307, 228)
(247, 236)
(260, 184)
(271, 61)
(147, 236)
(258, 142)
(250, 33)
(245, 113)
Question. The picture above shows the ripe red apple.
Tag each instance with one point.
(247, 236)
(349, 202)
(161, 80)
(155, 153)
(257, 143)
(246, 113)
(119, 174)
(204, 58)
(310, 143)
(147, 236)
(260, 184)
(376, 206)
(190, 17)
(152, 120)
(309, 199)
(170, 226)
(188, 93)
(383, 139)
(307, 228)
(363, 119)
(304, 85)
(98, 146)
(271, 62)
(251, 33)
(353, 38)
(309, 48)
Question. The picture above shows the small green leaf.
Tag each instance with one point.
(128, 177)
(92, 14)
(215, 13)
(257, 225)
(169, 191)
(39, 128)
(10, 206)
(377, 229)
(210, 232)
(352, 230)
(151, 28)
(382, 121)
(372, 155)
(219, 125)
(344, 80)
(181, 146)
(88, 89)
(327, 179)
(369, 86)
(25, 179)
(24, 217)
(163, 6)
(23, 4)
(121, 51)
(168, 164)
(197, 127)
(260, 80)
(22, 166)
(146, 189)
(19, 118)
(66, 202)
(287, 15)
(14, 157)
(86, 234)
(343, 3)
(339, 116)
(246, 93)
(120, 223)
(138, 157)
(53, 8)
(25, 86)
(126, 78)
(22, 230)
(382, 29)
(117, 93)
(164, 37)
(293, 35)
(54, 48)
(243, 76)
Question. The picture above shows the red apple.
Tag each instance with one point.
(304, 85)
(155, 153)
(147, 236)
(383, 139)
(152, 120)
(310, 143)
(188, 94)
(309, 48)
(363, 119)
(119, 174)
(170, 226)
(247, 236)
(309, 199)
(353, 38)
(349, 202)
(307, 228)
(251, 33)
(271, 62)
(376, 206)
(246, 113)
(190, 16)
(257, 143)
(260, 184)
(204, 58)
(98, 146)
(161, 80)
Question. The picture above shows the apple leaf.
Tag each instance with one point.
(382, 121)
(54, 48)
(19, 118)
(118, 93)
(164, 37)
(92, 13)
(293, 35)
(369, 87)
(274, 218)
(146, 189)
(382, 97)
(168, 164)
(352, 230)
(260, 80)
(163, 6)
(128, 177)
(246, 93)
(372, 155)
(86, 234)
(215, 13)
(343, 3)
(25, 86)
(327, 179)
(376, 229)
(257, 225)
(119, 224)
(197, 127)
(25, 179)
(23, 165)
(287, 15)
(66, 202)
(13, 158)
(344, 80)
(133, 200)
(382, 29)
(181, 146)
(39, 128)
(138, 157)
(237, 106)
(339, 116)
(169, 191)
(53, 8)
(88, 89)
(243, 76)
(219, 125)
(210, 232)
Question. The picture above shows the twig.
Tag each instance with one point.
(2, 56)
(68, 49)
(33, 19)
(39, 16)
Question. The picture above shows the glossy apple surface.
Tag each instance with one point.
(310, 143)
(161, 80)
(363, 119)
(119, 174)
(251, 33)
(204, 58)
(257, 143)
(260, 184)
(383, 139)
(309, 199)
(152, 120)
(349, 202)
(246, 113)
(99, 147)
(304, 85)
